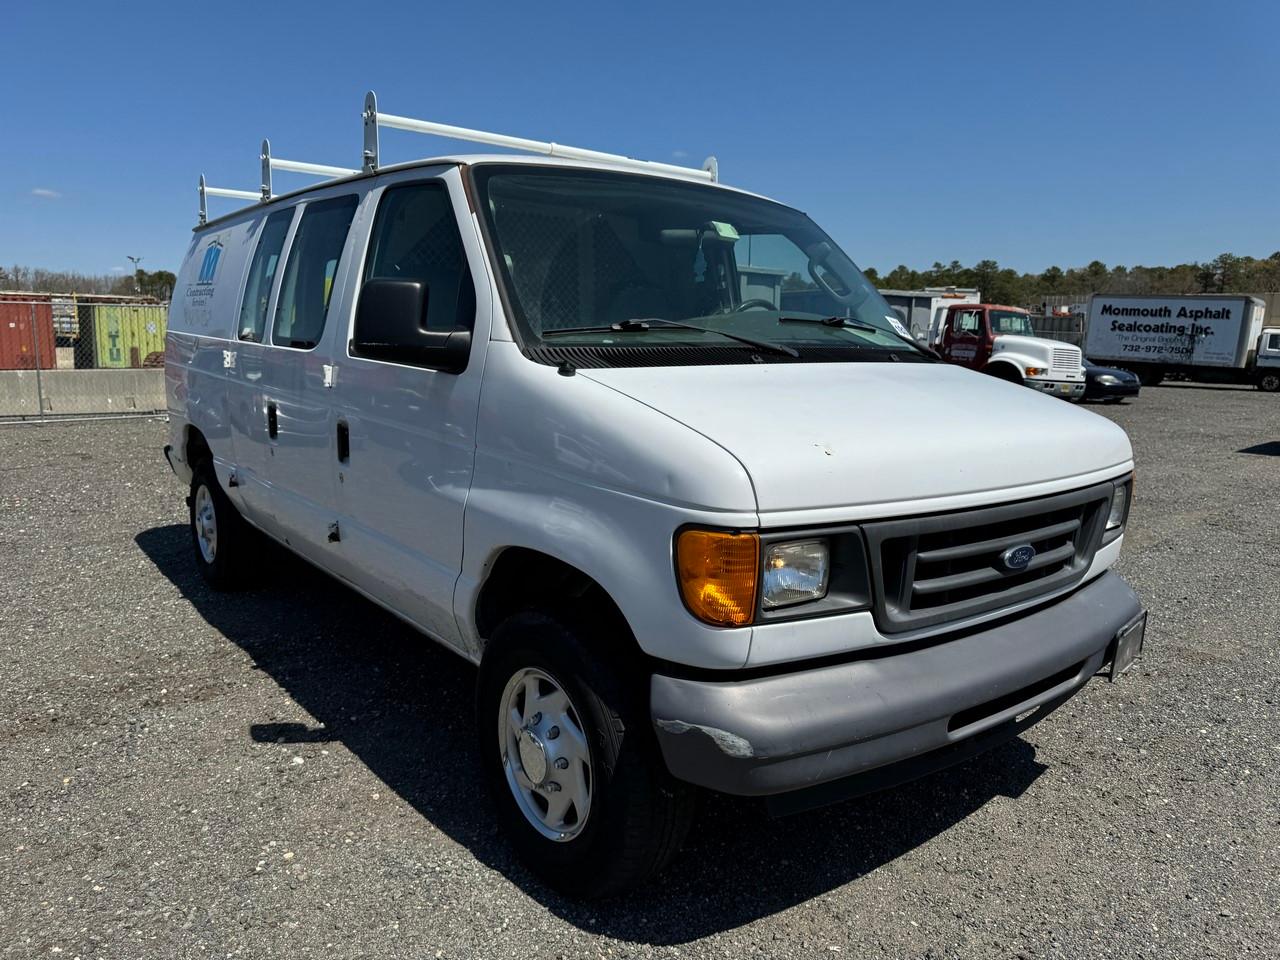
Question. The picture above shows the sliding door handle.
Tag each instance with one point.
(273, 425)
(344, 442)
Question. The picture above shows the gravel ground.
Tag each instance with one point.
(289, 771)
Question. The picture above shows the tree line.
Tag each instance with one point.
(1227, 273)
(147, 283)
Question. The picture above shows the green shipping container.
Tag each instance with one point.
(126, 335)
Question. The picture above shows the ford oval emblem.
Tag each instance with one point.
(1019, 557)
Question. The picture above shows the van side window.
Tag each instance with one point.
(415, 237)
(309, 274)
(1274, 342)
(257, 292)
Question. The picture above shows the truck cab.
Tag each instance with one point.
(1268, 360)
(1001, 341)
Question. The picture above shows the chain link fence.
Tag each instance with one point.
(77, 355)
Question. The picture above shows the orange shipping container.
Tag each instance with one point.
(26, 332)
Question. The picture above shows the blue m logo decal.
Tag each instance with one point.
(209, 265)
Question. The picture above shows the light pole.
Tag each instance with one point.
(137, 288)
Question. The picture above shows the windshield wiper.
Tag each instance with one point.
(638, 325)
(835, 322)
(865, 327)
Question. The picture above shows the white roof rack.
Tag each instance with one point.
(373, 120)
(207, 191)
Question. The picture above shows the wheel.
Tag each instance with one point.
(218, 532)
(576, 777)
(1269, 382)
(1151, 376)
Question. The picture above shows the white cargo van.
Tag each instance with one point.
(551, 412)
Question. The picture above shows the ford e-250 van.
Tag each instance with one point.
(567, 418)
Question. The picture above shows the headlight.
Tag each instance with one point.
(1119, 506)
(1109, 380)
(795, 573)
(1036, 371)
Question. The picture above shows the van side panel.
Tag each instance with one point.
(198, 351)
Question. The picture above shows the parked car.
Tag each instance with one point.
(562, 416)
(1109, 384)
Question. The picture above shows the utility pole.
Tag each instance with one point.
(137, 287)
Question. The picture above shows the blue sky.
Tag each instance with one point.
(1029, 133)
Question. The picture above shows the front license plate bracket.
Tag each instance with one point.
(1128, 645)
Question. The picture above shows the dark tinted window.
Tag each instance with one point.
(309, 275)
(257, 292)
(415, 237)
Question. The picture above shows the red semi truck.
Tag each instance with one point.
(1001, 341)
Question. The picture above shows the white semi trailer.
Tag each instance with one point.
(1210, 338)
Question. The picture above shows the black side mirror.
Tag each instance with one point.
(391, 325)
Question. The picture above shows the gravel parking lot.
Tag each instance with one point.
(289, 771)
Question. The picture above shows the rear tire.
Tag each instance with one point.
(548, 709)
(1269, 382)
(219, 535)
(1151, 376)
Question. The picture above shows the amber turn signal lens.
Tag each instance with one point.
(718, 574)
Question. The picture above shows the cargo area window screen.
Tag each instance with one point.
(257, 291)
(309, 274)
(415, 237)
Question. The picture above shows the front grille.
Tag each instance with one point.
(947, 567)
(1065, 358)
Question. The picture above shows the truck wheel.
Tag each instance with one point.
(573, 768)
(1269, 382)
(1151, 376)
(218, 533)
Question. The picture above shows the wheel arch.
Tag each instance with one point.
(1004, 369)
(523, 578)
(195, 447)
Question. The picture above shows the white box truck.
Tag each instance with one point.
(1210, 338)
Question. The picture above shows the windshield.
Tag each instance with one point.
(1011, 322)
(582, 252)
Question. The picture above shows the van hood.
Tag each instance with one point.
(820, 435)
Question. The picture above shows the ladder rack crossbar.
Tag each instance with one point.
(320, 169)
(545, 148)
(234, 194)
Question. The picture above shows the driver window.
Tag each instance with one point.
(968, 322)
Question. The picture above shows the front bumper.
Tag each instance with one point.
(1071, 389)
(1110, 391)
(920, 710)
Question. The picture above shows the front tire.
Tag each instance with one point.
(218, 533)
(577, 781)
(1269, 382)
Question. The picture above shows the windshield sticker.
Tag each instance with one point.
(897, 325)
